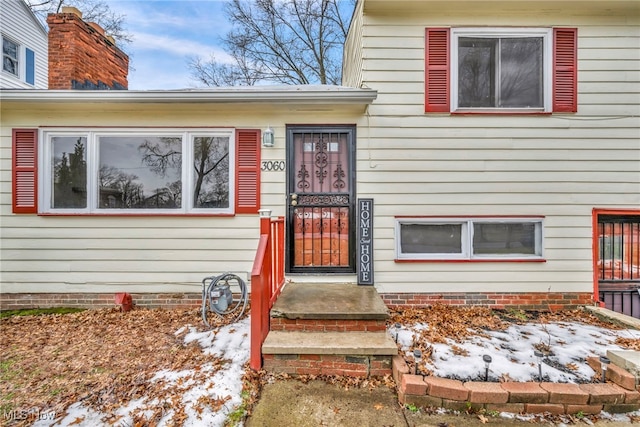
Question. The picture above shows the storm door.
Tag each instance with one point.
(618, 262)
(320, 214)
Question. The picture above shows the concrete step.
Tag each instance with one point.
(344, 301)
(330, 343)
(628, 360)
(610, 315)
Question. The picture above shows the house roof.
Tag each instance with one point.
(298, 94)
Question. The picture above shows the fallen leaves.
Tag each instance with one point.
(447, 322)
(107, 359)
(454, 326)
(104, 358)
(76, 421)
(629, 343)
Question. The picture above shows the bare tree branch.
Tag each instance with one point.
(97, 11)
(279, 41)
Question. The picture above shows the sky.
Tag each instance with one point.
(511, 351)
(165, 35)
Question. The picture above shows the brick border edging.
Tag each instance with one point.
(518, 397)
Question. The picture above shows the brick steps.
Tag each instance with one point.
(329, 329)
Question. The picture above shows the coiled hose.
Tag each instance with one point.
(219, 300)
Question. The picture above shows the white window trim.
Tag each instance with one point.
(45, 178)
(467, 239)
(20, 55)
(547, 58)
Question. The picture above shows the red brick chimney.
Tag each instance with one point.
(81, 56)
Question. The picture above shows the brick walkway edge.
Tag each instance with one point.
(618, 395)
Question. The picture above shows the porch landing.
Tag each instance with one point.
(329, 301)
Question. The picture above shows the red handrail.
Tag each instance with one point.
(267, 280)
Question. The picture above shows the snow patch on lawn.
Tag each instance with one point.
(512, 350)
(230, 343)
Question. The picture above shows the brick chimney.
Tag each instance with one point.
(81, 56)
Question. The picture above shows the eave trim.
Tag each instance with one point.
(295, 95)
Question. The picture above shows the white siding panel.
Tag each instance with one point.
(409, 162)
(20, 25)
(128, 253)
(352, 53)
(557, 166)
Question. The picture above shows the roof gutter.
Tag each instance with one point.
(255, 95)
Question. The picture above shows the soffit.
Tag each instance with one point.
(249, 99)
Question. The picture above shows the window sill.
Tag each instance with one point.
(500, 112)
(516, 260)
(143, 214)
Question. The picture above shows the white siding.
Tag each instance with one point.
(560, 166)
(20, 25)
(352, 53)
(137, 254)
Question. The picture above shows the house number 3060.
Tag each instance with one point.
(273, 165)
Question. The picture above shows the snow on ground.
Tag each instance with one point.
(230, 343)
(512, 350)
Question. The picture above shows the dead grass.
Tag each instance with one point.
(104, 358)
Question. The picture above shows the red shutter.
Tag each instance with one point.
(247, 171)
(25, 170)
(565, 70)
(437, 99)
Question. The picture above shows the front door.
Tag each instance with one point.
(321, 193)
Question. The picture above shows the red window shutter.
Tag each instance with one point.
(565, 70)
(25, 170)
(437, 93)
(247, 171)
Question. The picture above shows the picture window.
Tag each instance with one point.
(116, 171)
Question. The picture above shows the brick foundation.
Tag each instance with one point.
(522, 301)
(9, 301)
(544, 301)
(324, 364)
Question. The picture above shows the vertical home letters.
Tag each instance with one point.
(365, 242)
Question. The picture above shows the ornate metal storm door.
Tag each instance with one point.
(321, 178)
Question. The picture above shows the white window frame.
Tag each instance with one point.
(547, 58)
(467, 252)
(19, 60)
(45, 167)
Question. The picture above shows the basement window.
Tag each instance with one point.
(469, 238)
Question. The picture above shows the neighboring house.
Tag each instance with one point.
(24, 47)
(486, 143)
